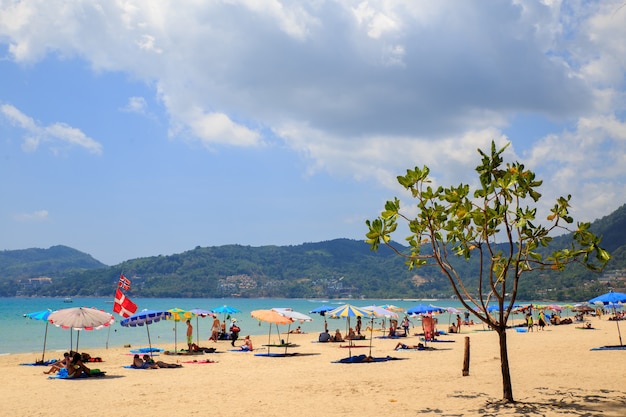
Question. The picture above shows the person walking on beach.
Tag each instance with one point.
(189, 335)
(234, 332)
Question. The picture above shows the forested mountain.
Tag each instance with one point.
(31, 263)
(330, 269)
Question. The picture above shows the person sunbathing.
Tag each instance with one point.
(351, 334)
(247, 343)
(139, 363)
(160, 364)
(338, 337)
(77, 367)
(63, 363)
(401, 345)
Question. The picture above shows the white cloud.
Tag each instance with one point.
(55, 133)
(136, 105)
(36, 216)
(361, 88)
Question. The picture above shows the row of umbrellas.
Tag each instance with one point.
(85, 318)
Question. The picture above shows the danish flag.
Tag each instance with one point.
(123, 306)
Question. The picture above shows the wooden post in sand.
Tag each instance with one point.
(466, 357)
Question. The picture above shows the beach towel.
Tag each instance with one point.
(40, 363)
(613, 347)
(201, 361)
(418, 348)
(276, 355)
(146, 350)
(62, 374)
(366, 359)
(437, 340)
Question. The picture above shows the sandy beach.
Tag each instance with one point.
(554, 373)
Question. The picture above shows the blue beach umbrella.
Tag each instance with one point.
(43, 316)
(611, 298)
(146, 317)
(322, 310)
(225, 310)
(424, 309)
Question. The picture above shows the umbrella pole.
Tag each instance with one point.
(371, 334)
(269, 336)
(197, 332)
(349, 340)
(45, 337)
(77, 339)
(149, 342)
(288, 333)
(175, 337)
(618, 331)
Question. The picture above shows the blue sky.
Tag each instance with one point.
(143, 128)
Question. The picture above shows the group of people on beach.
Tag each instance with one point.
(72, 365)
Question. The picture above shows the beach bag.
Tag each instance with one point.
(235, 329)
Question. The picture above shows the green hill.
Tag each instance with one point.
(330, 269)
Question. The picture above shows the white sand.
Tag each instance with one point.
(554, 374)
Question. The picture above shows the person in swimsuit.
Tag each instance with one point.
(189, 335)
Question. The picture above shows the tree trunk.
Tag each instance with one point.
(507, 388)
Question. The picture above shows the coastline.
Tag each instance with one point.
(554, 372)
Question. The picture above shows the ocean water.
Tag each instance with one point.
(22, 335)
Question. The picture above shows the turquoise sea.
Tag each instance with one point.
(22, 335)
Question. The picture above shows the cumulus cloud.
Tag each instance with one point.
(359, 88)
(54, 134)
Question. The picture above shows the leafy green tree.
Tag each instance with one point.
(454, 223)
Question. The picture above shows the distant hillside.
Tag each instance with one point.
(55, 261)
(330, 269)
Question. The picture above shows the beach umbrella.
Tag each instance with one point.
(378, 312)
(611, 298)
(293, 315)
(347, 311)
(43, 316)
(81, 318)
(421, 309)
(391, 307)
(225, 310)
(322, 310)
(146, 317)
(200, 313)
(271, 317)
(178, 314)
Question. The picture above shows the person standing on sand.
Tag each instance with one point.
(189, 335)
(529, 322)
(234, 332)
(458, 323)
(215, 329)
